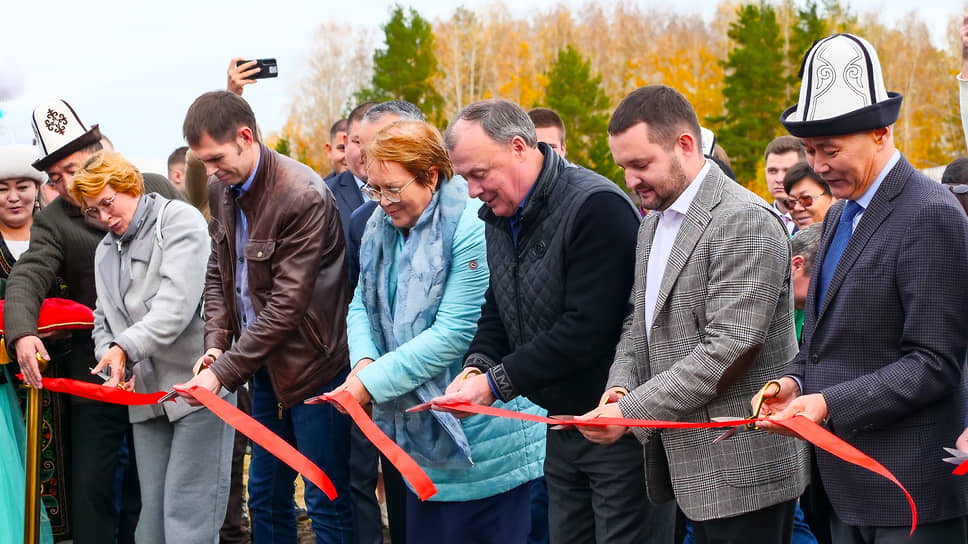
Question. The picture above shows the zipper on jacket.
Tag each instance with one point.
(280, 410)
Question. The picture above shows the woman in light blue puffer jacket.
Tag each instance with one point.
(423, 274)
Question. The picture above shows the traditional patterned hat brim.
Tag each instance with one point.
(87, 139)
(879, 115)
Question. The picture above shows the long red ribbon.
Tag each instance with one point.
(408, 468)
(95, 391)
(808, 430)
(231, 415)
(961, 469)
(262, 436)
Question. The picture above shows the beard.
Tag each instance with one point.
(664, 195)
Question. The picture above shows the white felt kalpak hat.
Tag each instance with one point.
(841, 91)
(60, 132)
(15, 163)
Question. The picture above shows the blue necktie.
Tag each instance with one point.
(837, 246)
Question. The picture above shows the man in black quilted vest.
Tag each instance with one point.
(560, 246)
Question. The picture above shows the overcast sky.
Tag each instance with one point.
(134, 68)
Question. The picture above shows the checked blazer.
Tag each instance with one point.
(723, 326)
(887, 351)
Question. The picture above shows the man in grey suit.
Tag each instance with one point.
(884, 341)
(711, 320)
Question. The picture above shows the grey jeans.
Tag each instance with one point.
(185, 472)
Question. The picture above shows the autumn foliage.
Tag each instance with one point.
(738, 81)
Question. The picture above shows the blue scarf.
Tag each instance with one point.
(432, 438)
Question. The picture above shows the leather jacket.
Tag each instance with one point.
(297, 281)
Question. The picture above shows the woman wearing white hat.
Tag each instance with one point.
(19, 185)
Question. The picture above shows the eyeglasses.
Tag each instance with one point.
(391, 194)
(961, 189)
(94, 212)
(804, 200)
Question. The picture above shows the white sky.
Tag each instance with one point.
(134, 67)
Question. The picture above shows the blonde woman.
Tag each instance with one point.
(149, 275)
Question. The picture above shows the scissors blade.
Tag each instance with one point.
(168, 396)
(955, 460)
(728, 433)
(956, 452)
(101, 374)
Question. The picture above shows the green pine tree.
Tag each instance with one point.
(406, 66)
(283, 146)
(755, 89)
(578, 97)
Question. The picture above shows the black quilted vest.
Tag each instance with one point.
(528, 281)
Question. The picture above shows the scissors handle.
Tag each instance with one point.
(765, 393)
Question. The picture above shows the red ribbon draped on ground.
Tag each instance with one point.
(405, 464)
(810, 431)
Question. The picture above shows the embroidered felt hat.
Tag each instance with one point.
(60, 132)
(15, 163)
(842, 90)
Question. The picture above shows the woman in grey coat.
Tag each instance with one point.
(150, 275)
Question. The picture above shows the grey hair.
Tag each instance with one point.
(401, 108)
(805, 243)
(502, 121)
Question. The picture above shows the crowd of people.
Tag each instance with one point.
(481, 266)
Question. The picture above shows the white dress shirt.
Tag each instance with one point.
(670, 220)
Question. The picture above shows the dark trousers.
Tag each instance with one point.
(320, 433)
(97, 431)
(539, 512)
(816, 505)
(232, 531)
(500, 519)
(770, 525)
(364, 474)
(396, 493)
(596, 493)
(952, 531)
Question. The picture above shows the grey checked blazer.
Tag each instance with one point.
(888, 351)
(723, 326)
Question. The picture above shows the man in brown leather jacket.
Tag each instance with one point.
(275, 302)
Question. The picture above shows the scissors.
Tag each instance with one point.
(769, 391)
(205, 363)
(958, 458)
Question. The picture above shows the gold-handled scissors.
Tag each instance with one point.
(205, 362)
(768, 391)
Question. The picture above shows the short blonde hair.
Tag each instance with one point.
(103, 169)
(415, 145)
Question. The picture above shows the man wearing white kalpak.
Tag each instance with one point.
(883, 341)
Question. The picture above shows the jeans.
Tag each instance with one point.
(320, 433)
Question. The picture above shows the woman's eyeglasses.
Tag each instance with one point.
(805, 200)
(94, 212)
(391, 194)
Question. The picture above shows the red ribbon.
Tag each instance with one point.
(807, 429)
(262, 436)
(231, 415)
(95, 391)
(408, 468)
(961, 469)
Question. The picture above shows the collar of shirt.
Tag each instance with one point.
(865, 199)
(359, 183)
(241, 188)
(681, 204)
(515, 220)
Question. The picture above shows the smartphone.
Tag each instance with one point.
(267, 68)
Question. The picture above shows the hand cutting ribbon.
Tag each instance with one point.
(231, 415)
(808, 430)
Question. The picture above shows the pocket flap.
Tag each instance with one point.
(259, 250)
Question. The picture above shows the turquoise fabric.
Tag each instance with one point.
(505, 453)
(12, 472)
